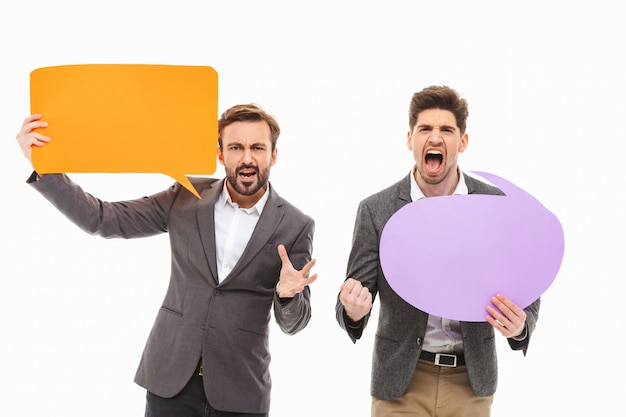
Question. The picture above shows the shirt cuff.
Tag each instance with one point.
(522, 336)
(33, 178)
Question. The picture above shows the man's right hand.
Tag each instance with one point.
(26, 138)
(356, 299)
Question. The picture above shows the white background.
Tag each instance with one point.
(545, 85)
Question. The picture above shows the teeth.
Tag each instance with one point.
(434, 152)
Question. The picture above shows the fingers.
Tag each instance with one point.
(508, 307)
(307, 268)
(310, 280)
(351, 285)
(356, 299)
(37, 139)
(30, 123)
(352, 292)
(30, 119)
(507, 317)
(284, 257)
(282, 252)
(26, 138)
(292, 281)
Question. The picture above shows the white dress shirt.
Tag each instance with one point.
(233, 228)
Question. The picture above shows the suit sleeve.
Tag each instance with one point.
(532, 315)
(125, 219)
(293, 315)
(363, 265)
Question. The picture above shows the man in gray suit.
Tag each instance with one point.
(208, 352)
(425, 365)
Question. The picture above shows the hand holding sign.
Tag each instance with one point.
(508, 245)
(127, 118)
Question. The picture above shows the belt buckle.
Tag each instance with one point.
(448, 360)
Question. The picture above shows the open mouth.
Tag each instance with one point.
(433, 160)
(247, 173)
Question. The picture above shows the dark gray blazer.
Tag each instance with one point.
(401, 327)
(227, 323)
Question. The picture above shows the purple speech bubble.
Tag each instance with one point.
(449, 255)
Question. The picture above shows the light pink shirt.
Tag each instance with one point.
(442, 335)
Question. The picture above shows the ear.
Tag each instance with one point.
(464, 141)
(409, 143)
(274, 155)
(220, 155)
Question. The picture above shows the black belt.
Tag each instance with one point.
(443, 359)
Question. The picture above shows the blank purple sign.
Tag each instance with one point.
(449, 255)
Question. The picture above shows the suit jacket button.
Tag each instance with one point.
(217, 292)
(419, 341)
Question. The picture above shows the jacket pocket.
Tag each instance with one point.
(171, 311)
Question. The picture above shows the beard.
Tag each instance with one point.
(233, 178)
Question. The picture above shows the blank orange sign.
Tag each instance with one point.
(127, 119)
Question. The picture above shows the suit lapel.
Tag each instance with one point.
(404, 191)
(206, 224)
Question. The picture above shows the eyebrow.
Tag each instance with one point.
(251, 145)
(440, 127)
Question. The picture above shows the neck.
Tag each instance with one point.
(445, 187)
(245, 201)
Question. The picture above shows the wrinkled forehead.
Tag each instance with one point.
(436, 118)
(247, 133)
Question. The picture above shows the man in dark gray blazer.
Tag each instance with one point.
(425, 365)
(208, 351)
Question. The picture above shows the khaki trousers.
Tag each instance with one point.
(436, 391)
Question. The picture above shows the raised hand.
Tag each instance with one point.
(26, 138)
(291, 280)
(356, 299)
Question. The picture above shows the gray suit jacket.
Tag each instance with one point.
(226, 324)
(402, 327)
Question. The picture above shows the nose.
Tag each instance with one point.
(247, 155)
(435, 134)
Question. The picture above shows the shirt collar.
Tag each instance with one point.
(224, 199)
(416, 191)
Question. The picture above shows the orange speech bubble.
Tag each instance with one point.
(127, 118)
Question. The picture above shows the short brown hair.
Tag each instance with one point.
(439, 97)
(247, 113)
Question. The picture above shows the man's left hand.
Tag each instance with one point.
(291, 280)
(508, 318)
